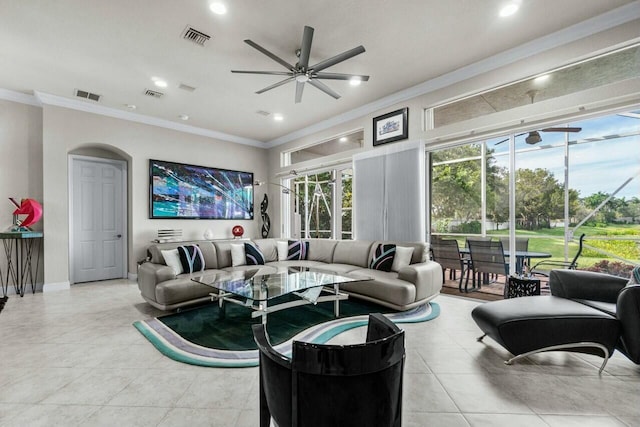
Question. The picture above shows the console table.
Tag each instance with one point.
(19, 249)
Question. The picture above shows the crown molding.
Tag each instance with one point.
(60, 101)
(19, 97)
(597, 24)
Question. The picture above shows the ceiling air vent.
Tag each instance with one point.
(263, 113)
(87, 95)
(198, 37)
(153, 93)
(186, 87)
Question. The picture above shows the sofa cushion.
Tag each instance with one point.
(384, 286)
(420, 249)
(223, 251)
(208, 251)
(191, 258)
(238, 255)
(382, 258)
(321, 250)
(354, 252)
(172, 259)
(253, 255)
(402, 257)
(297, 250)
(268, 248)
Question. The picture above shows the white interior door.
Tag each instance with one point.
(98, 223)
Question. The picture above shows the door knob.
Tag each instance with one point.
(118, 235)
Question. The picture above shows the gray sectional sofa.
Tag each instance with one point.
(409, 287)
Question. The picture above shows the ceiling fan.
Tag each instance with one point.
(302, 73)
(534, 136)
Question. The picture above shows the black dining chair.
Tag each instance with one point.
(446, 252)
(487, 258)
(334, 385)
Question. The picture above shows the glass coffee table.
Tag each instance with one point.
(257, 289)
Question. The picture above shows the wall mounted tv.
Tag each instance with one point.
(181, 191)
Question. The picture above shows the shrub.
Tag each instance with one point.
(615, 268)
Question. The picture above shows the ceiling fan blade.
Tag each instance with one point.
(561, 129)
(273, 86)
(271, 73)
(269, 54)
(338, 58)
(339, 76)
(299, 89)
(305, 49)
(506, 139)
(323, 87)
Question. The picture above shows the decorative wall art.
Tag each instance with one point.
(181, 191)
(266, 221)
(391, 127)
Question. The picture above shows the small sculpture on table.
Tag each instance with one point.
(266, 221)
(29, 207)
(237, 231)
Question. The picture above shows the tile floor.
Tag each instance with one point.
(73, 358)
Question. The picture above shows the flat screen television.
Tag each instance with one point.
(181, 191)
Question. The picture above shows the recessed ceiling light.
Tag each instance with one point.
(344, 139)
(509, 9)
(183, 117)
(278, 117)
(355, 81)
(130, 106)
(218, 8)
(160, 83)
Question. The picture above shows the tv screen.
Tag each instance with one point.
(181, 191)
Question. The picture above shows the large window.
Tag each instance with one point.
(565, 184)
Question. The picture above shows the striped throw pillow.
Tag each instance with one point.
(191, 258)
(383, 257)
(297, 250)
(253, 255)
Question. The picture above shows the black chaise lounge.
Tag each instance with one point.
(587, 312)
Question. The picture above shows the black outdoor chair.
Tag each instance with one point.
(334, 385)
(544, 267)
(447, 253)
(522, 243)
(487, 258)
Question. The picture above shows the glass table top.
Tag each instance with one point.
(261, 285)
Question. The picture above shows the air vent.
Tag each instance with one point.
(186, 87)
(263, 113)
(153, 93)
(87, 95)
(193, 35)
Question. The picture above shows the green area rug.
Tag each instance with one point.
(199, 336)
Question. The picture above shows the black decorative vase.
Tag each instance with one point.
(266, 221)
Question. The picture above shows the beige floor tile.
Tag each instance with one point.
(38, 385)
(95, 388)
(504, 420)
(424, 393)
(201, 418)
(581, 421)
(220, 388)
(417, 419)
(51, 415)
(154, 388)
(109, 416)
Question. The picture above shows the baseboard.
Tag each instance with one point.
(58, 286)
(132, 276)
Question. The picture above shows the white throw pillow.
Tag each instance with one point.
(283, 250)
(238, 256)
(172, 258)
(402, 258)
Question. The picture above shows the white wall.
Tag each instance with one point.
(20, 162)
(67, 130)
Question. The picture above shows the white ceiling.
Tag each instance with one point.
(115, 47)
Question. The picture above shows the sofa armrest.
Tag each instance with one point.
(578, 284)
(149, 275)
(426, 276)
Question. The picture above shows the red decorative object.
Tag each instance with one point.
(31, 208)
(237, 231)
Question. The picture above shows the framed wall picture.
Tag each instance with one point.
(391, 127)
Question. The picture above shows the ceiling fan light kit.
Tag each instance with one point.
(302, 73)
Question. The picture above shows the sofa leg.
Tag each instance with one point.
(481, 338)
(605, 352)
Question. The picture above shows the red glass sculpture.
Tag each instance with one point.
(237, 231)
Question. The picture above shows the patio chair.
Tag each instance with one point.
(543, 268)
(447, 253)
(522, 243)
(487, 257)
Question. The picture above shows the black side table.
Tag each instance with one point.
(521, 287)
(20, 247)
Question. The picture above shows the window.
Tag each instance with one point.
(566, 184)
(338, 144)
